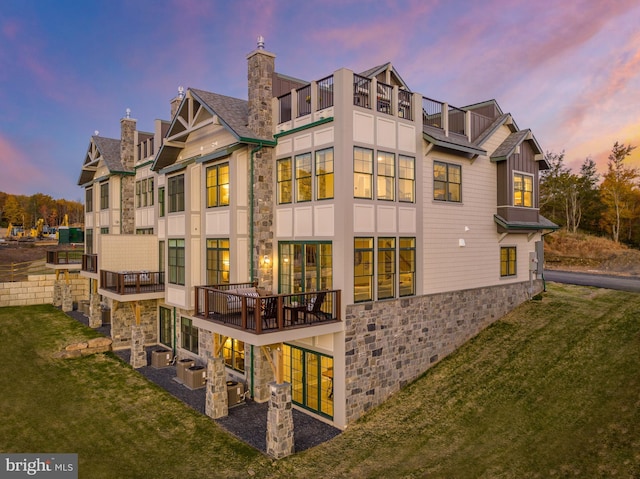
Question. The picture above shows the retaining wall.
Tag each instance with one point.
(38, 289)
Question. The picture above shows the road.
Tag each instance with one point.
(622, 283)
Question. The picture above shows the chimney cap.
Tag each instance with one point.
(260, 42)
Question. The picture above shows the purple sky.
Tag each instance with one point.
(569, 70)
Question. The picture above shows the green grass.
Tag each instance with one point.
(552, 390)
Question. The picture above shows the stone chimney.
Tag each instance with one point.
(261, 65)
(127, 158)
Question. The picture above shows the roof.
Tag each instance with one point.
(107, 151)
(509, 145)
(520, 226)
(455, 142)
(503, 119)
(375, 71)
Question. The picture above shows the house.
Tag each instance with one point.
(342, 234)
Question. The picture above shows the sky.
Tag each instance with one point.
(568, 70)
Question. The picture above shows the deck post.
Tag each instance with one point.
(280, 441)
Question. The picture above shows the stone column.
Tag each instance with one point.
(280, 421)
(138, 354)
(262, 375)
(57, 293)
(67, 298)
(95, 312)
(217, 401)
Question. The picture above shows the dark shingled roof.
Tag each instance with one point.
(109, 150)
(453, 141)
(509, 145)
(511, 226)
(486, 134)
(233, 112)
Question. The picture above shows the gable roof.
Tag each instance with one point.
(107, 150)
(375, 71)
(458, 143)
(509, 145)
(504, 119)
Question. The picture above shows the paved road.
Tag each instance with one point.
(622, 283)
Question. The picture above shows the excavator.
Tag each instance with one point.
(36, 231)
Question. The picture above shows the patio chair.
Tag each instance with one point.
(270, 312)
(314, 309)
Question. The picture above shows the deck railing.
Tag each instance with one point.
(404, 105)
(285, 107)
(384, 93)
(64, 257)
(325, 92)
(132, 282)
(234, 306)
(432, 113)
(361, 91)
(90, 263)
(456, 120)
(303, 95)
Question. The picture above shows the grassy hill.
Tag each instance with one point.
(584, 252)
(551, 390)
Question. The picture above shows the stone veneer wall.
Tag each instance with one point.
(390, 343)
(123, 317)
(38, 289)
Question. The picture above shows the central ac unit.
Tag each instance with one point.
(181, 366)
(161, 358)
(235, 393)
(195, 377)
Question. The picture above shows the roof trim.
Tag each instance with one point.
(322, 121)
(514, 227)
(452, 145)
(221, 153)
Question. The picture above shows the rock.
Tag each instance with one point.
(76, 346)
(99, 343)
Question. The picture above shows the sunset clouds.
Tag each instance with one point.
(570, 71)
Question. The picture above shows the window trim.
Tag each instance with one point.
(302, 180)
(508, 268)
(406, 179)
(358, 253)
(189, 335)
(104, 196)
(176, 193)
(216, 247)
(447, 182)
(382, 174)
(523, 191)
(217, 187)
(177, 273)
(362, 172)
(282, 182)
(326, 178)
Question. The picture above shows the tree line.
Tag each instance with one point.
(27, 210)
(603, 206)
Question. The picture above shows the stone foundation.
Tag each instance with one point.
(390, 343)
(67, 298)
(280, 421)
(123, 318)
(95, 311)
(217, 401)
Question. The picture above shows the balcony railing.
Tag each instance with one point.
(132, 282)
(325, 92)
(268, 313)
(284, 102)
(90, 263)
(361, 91)
(304, 100)
(456, 120)
(64, 257)
(404, 105)
(433, 114)
(384, 98)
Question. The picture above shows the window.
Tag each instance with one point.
(150, 191)
(522, 190)
(144, 231)
(447, 182)
(406, 179)
(218, 185)
(363, 269)
(305, 266)
(386, 268)
(104, 196)
(88, 241)
(88, 200)
(176, 261)
(161, 201)
(407, 266)
(324, 174)
(104, 231)
(303, 177)
(165, 326)
(311, 376)
(138, 188)
(189, 335)
(233, 353)
(161, 256)
(217, 261)
(386, 176)
(284, 181)
(508, 261)
(176, 194)
(362, 172)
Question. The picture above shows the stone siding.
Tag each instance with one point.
(123, 318)
(38, 289)
(390, 343)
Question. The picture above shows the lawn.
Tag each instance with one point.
(551, 390)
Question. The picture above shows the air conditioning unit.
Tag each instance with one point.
(195, 377)
(235, 393)
(161, 358)
(181, 366)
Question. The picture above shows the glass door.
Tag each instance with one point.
(305, 266)
(311, 376)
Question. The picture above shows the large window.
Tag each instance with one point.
(362, 172)
(161, 203)
(104, 196)
(508, 261)
(218, 185)
(522, 190)
(176, 261)
(324, 174)
(176, 194)
(363, 269)
(233, 353)
(88, 200)
(407, 266)
(189, 335)
(386, 178)
(285, 179)
(217, 261)
(161, 256)
(88, 241)
(305, 266)
(447, 182)
(386, 268)
(406, 179)
(165, 327)
(303, 177)
(311, 377)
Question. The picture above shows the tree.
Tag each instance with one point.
(590, 196)
(13, 211)
(553, 185)
(617, 191)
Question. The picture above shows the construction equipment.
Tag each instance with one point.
(36, 231)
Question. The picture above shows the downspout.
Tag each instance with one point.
(175, 339)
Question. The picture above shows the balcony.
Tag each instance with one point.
(90, 263)
(242, 307)
(443, 116)
(64, 259)
(132, 282)
(306, 101)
